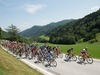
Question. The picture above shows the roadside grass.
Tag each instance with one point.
(98, 37)
(93, 49)
(9, 65)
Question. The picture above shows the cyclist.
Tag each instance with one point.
(70, 51)
(84, 53)
(57, 50)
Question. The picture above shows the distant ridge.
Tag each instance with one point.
(39, 30)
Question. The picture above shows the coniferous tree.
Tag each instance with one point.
(0, 33)
(13, 32)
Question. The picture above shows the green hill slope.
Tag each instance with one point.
(85, 28)
(40, 30)
(12, 66)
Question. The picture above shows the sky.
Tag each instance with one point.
(26, 13)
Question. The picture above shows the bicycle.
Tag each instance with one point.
(88, 59)
(71, 56)
(50, 61)
(59, 55)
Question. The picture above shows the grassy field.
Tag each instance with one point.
(93, 49)
(9, 65)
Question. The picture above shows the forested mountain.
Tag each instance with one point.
(85, 28)
(39, 30)
(31, 31)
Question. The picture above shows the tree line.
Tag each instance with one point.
(81, 30)
(84, 29)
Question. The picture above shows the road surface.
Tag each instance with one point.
(65, 67)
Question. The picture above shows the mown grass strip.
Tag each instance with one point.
(9, 65)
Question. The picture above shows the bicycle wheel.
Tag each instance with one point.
(55, 55)
(74, 58)
(45, 61)
(53, 63)
(30, 55)
(67, 56)
(80, 58)
(89, 60)
(60, 55)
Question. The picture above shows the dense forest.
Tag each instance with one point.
(83, 29)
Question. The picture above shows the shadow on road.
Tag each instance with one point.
(81, 63)
(67, 60)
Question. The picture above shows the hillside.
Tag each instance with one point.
(12, 66)
(31, 31)
(85, 28)
(39, 30)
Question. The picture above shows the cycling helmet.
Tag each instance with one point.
(86, 48)
(71, 48)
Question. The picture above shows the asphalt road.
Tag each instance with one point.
(66, 67)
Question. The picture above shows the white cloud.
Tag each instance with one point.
(95, 8)
(33, 8)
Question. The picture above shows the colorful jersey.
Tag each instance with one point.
(83, 51)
